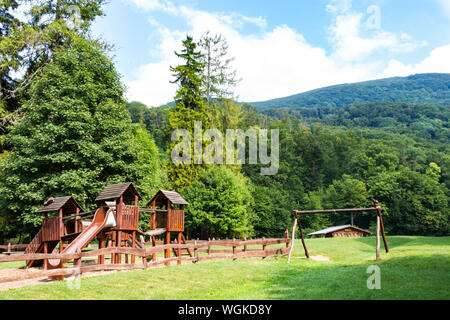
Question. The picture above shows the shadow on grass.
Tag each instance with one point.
(402, 278)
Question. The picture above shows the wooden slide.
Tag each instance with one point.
(100, 221)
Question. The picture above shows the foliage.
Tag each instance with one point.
(420, 88)
(219, 205)
(76, 136)
(30, 33)
(156, 120)
(190, 108)
(420, 121)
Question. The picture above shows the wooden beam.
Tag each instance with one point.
(293, 240)
(303, 239)
(377, 205)
(335, 210)
(378, 239)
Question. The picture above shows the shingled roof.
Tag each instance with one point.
(337, 228)
(69, 205)
(173, 196)
(114, 191)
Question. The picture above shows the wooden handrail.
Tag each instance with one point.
(144, 252)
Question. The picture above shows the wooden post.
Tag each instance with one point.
(234, 250)
(101, 245)
(179, 249)
(133, 257)
(264, 247)
(195, 251)
(126, 256)
(119, 233)
(153, 227)
(167, 251)
(144, 262)
(77, 262)
(118, 245)
(292, 239)
(209, 246)
(45, 252)
(287, 237)
(61, 230)
(77, 216)
(112, 243)
(154, 245)
(245, 246)
(386, 247)
(378, 238)
(303, 239)
(9, 247)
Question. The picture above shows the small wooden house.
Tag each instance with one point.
(53, 230)
(167, 215)
(345, 231)
(169, 211)
(122, 192)
(127, 216)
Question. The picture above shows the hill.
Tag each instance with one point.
(432, 88)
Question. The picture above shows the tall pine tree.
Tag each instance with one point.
(190, 107)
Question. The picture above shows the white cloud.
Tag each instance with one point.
(436, 61)
(351, 45)
(279, 62)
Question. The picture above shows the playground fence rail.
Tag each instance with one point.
(194, 246)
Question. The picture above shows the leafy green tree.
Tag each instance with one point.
(220, 205)
(417, 202)
(30, 33)
(75, 138)
(156, 120)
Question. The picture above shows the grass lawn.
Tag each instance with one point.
(415, 268)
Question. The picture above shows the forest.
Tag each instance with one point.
(67, 129)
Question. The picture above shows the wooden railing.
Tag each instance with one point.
(176, 220)
(51, 229)
(127, 217)
(202, 250)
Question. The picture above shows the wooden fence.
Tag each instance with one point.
(237, 249)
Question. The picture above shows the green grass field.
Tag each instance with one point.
(416, 268)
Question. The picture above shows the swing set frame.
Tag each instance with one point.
(380, 226)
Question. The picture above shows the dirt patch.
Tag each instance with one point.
(320, 258)
(317, 258)
(44, 280)
(35, 281)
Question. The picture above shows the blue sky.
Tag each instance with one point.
(280, 47)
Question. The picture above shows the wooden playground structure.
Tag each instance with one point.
(66, 230)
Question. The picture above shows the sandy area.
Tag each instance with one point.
(36, 281)
(317, 258)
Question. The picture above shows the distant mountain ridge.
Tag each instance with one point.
(432, 88)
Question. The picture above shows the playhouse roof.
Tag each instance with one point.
(336, 228)
(173, 196)
(69, 205)
(114, 191)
